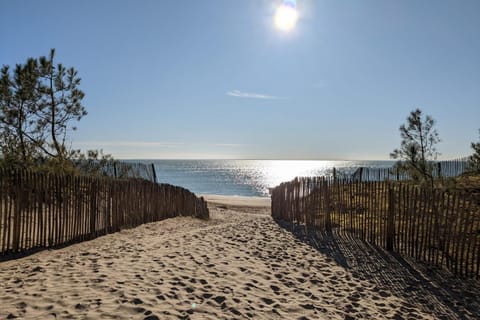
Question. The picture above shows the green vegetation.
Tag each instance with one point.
(39, 102)
(469, 182)
(417, 149)
(474, 159)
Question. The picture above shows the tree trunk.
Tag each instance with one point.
(53, 120)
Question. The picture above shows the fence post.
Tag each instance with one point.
(17, 201)
(93, 207)
(154, 173)
(390, 219)
(328, 221)
(334, 173)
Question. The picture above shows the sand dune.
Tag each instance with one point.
(239, 265)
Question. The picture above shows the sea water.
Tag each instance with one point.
(247, 177)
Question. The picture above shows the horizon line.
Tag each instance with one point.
(283, 159)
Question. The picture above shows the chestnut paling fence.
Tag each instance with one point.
(40, 210)
(440, 169)
(118, 169)
(436, 227)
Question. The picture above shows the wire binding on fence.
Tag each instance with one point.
(118, 169)
(438, 228)
(41, 210)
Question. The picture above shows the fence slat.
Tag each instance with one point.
(42, 210)
(436, 227)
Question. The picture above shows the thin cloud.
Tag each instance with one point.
(137, 144)
(229, 145)
(250, 95)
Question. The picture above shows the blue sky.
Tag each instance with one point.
(216, 79)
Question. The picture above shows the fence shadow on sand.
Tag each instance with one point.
(435, 291)
(41, 211)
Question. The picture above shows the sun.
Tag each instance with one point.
(286, 17)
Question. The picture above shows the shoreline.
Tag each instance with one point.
(242, 201)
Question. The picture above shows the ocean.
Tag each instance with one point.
(247, 177)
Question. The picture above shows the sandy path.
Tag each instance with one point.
(239, 265)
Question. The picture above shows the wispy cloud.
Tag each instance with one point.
(250, 95)
(128, 144)
(229, 145)
(137, 149)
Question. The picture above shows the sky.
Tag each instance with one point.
(217, 79)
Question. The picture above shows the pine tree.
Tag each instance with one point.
(38, 103)
(19, 103)
(474, 159)
(417, 148)
(61, 103)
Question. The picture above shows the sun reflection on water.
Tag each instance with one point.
(265, 174)
(247, 177)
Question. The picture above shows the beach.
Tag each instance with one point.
(240, 264)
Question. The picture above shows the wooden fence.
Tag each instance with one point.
(451, 168)
(440, 169)
(117, 169)
(439, 228)
(40, 211)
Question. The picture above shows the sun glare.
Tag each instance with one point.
(286, 17)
